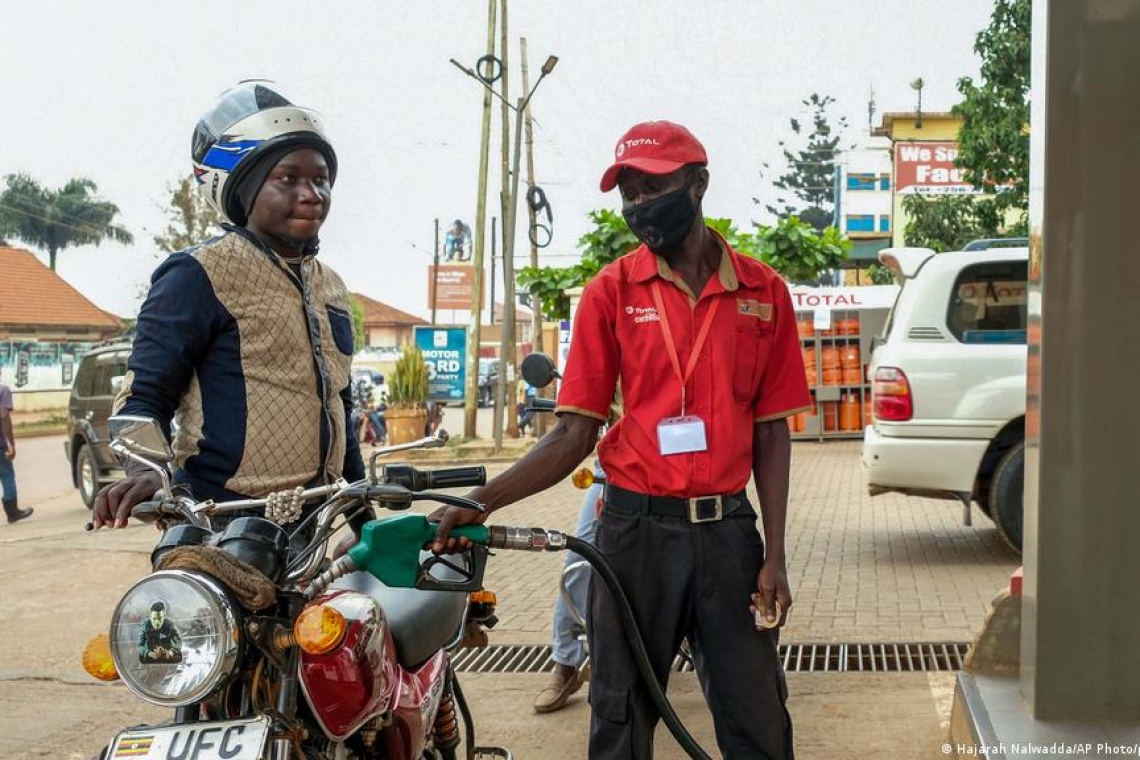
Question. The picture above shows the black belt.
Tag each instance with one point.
(699, 509)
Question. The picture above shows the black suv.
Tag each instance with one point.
(100, 374)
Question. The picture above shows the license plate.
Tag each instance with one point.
(228, 740)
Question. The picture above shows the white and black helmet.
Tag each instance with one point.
(248, 121)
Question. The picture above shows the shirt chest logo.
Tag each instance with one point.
(642, 314)
(753, 308)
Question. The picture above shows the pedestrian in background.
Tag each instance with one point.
(7, 462)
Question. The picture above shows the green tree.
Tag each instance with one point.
(54, 220)
(799, 253)
(791, 247)
(810, 174)
(609, 239)
(949, 223)
(190, 219)
(993, 144)
(357, 323)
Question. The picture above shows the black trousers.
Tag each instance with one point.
(695, 581)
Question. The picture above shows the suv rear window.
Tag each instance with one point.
(96, 374)
(988, 303)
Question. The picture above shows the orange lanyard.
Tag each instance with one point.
(700, 342)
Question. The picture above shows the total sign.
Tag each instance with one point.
(928, 168)
(445, 354)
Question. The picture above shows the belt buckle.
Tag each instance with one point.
(703, 509)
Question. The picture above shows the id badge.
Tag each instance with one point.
(681, 435)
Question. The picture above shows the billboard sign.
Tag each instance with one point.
(450, 286)
(927, 168)
(445, 353)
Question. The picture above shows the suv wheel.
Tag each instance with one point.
(86, 475)
(1007, 495)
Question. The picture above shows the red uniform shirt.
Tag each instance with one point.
(750, 369)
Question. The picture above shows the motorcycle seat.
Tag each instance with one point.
(422, 622)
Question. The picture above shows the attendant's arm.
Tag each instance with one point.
(553, 458)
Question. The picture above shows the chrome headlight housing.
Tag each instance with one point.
(175, 637)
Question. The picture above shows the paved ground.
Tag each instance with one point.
(883, 569)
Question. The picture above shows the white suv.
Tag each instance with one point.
(948, 378)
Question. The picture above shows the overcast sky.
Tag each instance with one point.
(111, 91)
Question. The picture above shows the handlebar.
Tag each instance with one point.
(424, 480)
(541, 404)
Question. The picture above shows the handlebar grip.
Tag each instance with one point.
(542, 404)
(456, 477)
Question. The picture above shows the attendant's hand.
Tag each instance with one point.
(453, 517)
(773, 587)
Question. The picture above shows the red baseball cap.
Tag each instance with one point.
(654, 147)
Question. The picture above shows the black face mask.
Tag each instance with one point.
(664, 222)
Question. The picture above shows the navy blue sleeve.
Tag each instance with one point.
(353, 469)
(177, 322)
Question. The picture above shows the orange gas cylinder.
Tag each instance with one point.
(868, 410)
(833, 377)
(849, 357)
(830, 416)
(852, 376)
(805, 328)
(849, 326)
(850, 413)
(795, 424)
(830, 357)
(809, 365)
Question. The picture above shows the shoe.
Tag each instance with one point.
(565, 681)
(13, 512)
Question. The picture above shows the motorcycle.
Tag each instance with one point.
(260, 654)
(267, 651)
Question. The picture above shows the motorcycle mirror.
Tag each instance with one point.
(141, 436)
(538, 370)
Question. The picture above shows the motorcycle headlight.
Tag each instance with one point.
(175, 637)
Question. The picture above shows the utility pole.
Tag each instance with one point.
(435, 273)
(505, 382)
(535, 301)
(494, 228)
(474, 332)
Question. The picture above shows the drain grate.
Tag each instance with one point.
(797, 658)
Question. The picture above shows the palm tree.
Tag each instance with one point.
(53, 220)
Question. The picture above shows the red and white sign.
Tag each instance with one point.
(844, 298)
(928, 168)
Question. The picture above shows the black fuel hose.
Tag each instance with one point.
(637, 646)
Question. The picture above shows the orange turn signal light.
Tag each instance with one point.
(582, 478)
(484, 597)
(97, 660)
(319, 629)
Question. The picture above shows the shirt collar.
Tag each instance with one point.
(647, 265)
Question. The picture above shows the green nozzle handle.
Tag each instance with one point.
(390, 548)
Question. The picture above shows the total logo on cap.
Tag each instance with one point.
(654, 147)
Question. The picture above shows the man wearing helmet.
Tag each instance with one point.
(246, 339)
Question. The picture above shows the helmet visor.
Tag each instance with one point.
(235, 104)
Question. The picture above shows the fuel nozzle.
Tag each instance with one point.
(526, 539)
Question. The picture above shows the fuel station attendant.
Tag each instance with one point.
(704, 343)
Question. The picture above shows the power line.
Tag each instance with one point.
(92, 229)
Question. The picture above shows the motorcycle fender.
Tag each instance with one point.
(357, 680)
(418, 697)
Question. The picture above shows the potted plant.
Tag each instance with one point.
(407, 397)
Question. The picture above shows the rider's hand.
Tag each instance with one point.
(773, 587)
(114, 503)
(10, 451)
(453, 517)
